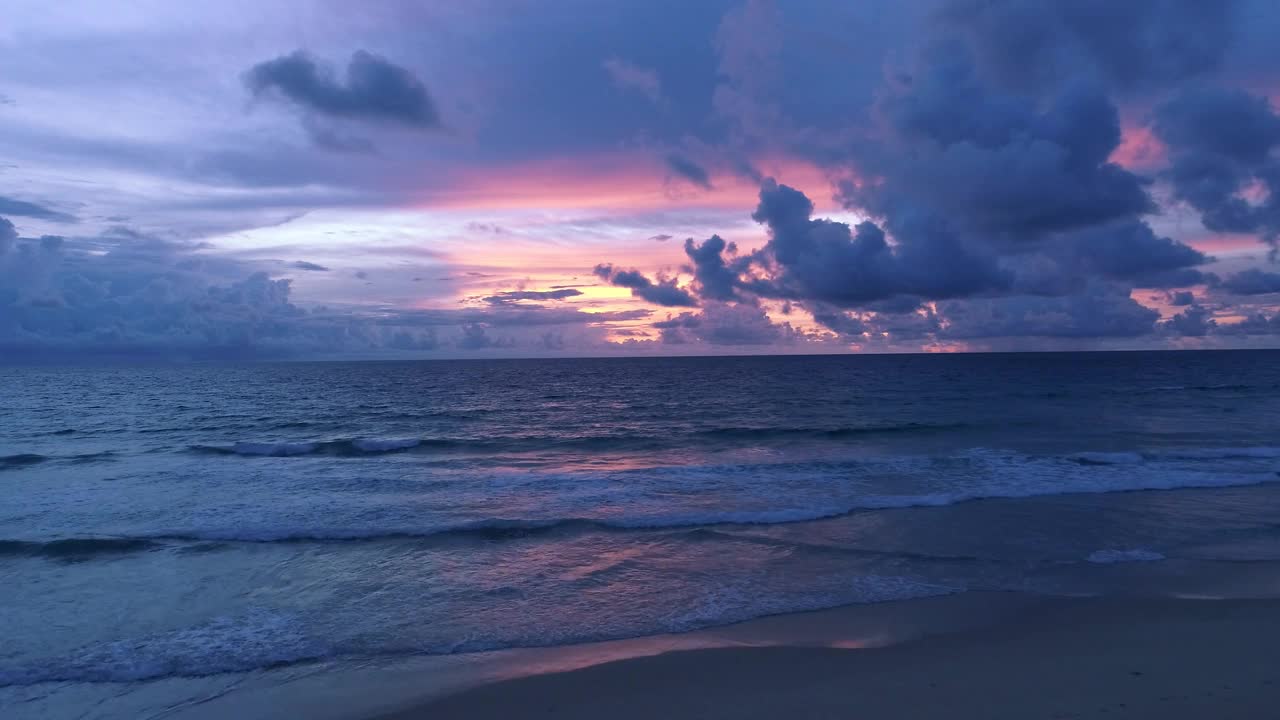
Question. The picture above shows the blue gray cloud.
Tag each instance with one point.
(1221, 142)
(373, 89)
(513, 296)
(689, 170)
(129, 293)
(1253, 281)
(659, 292)
(22, 208)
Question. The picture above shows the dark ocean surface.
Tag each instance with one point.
(190, 521)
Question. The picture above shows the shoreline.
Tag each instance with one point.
(981, 655)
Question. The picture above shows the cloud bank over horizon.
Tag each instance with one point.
(643, 178)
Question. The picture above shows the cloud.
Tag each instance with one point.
(663, 292)
(715, 279)
(1132, 251)
(1255, 324)
(8, 235)
(1252, 282)
(829, 262)
(840, 322)
(475, 336)
(723, 324)
(972, 142)
(632, 77)
(1100, 311)
(689, 170)
(1221, 143)
(374, 89)
(22, 208)
(980, 160)
(1195, 321)
(304, 265)
(511, 296)
(129, 293)
(1128, 46)
(335, 141)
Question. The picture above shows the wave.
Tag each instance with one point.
(1108, 458)
(86, 458)
(340, 448)
(358, 447)
(13, 462)
(1108, 557)
(1137, 457)
(71, 548)
(261, 640)
(1239, 453)
(1200, 388)
(764, 433)
(648, 499)
(1019, 481)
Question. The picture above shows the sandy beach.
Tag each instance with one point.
(1070, 658)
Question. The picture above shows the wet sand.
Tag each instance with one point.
(1065, 658)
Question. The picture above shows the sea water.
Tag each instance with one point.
(161, 522)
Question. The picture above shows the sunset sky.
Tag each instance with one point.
(514, 178)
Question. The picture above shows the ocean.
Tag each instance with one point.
(164, 524)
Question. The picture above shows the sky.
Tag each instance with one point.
(313, 179)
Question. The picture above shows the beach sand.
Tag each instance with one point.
(1064, 658)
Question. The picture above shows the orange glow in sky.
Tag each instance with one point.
(619, 182)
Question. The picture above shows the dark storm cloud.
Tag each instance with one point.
(1252, 282)
(22, 208)
(1195, 321)
(983, 160)
(1100, 311)
(715, 278)
(374, 89)
(829, 262)
(842, 323)
(1255, 324)
(1219, 121)
(1221, 141)
(310, 266)
(1131, 45)
(1132, 251)
(1181, 298)
(985, 169)
(662, 292)
(689, 170)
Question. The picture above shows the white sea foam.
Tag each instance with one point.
(226, 644)
(684, 496)
(1111, 556)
